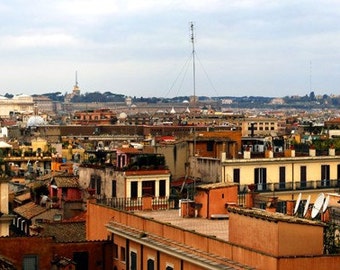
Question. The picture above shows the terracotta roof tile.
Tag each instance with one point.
(29, 210)
(66, 181)
(23, 197)
(65, 232)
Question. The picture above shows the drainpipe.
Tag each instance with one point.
(208, 205)
(293, 187)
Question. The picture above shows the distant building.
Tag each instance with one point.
(17, 104)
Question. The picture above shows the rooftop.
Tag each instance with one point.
(217, 228)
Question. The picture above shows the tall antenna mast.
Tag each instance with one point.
(193, 81)
(194, 90)
(193, 61)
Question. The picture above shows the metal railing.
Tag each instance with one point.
(135, 204)
(287, 186)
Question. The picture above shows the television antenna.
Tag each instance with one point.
(306, 206)
(318, 205)
(298, 201)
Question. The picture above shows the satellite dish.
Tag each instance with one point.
(306, 206)
(297, 203)
(318, 205)
(325, 204)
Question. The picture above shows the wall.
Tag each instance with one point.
(214, 200)
(14, 249)
(275, 237)
(98, 216)
(176, 155)
(272, 165)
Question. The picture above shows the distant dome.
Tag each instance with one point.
(122, 115)
(185, 101)
(35, 121)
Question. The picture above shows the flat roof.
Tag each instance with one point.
(218, 228)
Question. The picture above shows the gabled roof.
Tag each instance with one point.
(48, 176)
(66, 181)
(29, 210)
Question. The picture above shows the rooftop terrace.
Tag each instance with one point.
(217, 228)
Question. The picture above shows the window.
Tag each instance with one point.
(325, 175)
(303, 176)
(148, 188)
(30, 262)
(114, 188)
(210, 146)
(338, 172)
(150, 264)
(133, 256)
(115, 251)
(95, 183)
(122, 254)
(236, 175)
(82, 260)
(134, 191)
(169, 268)
(282, 177)
(260, 178)
(162, 188)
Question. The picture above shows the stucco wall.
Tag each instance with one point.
(241, 251)
(275, 237)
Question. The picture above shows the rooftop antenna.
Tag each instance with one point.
(194, 90)
(193, 80)
(193, 60)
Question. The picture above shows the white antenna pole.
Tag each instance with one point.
(194, 90)
(193, 60)
(194, 81)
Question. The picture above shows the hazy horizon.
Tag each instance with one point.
(143, 48)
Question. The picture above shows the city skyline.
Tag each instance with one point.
(243, 48)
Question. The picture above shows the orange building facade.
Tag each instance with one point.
(256, 241)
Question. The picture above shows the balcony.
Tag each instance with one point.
(288, 186)
(138, 204)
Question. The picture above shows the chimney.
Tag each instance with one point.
(290, 207)
(223, 156)
(247, 153)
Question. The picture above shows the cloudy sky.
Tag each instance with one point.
(143, 48)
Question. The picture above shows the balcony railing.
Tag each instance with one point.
(296, 185)
(135, 204)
